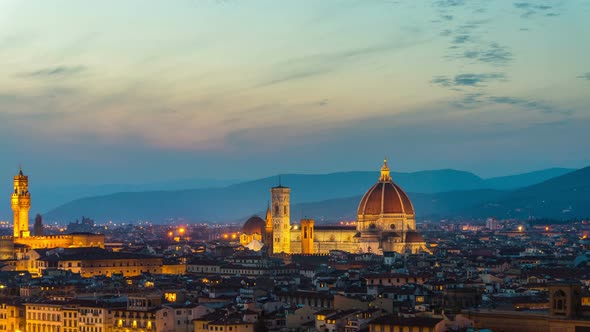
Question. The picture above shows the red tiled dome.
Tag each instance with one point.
(385, 197)
(254, 225)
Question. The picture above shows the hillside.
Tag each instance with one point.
(525, 179)
(235, 201)
(435, 194)
(566, 196)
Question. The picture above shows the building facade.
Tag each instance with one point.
(385, 223)
(21, 204)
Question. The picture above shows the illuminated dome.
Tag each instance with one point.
(254, 225)
(385, 197)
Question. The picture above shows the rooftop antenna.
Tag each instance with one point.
(280, 185)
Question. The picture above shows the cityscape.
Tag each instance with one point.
(296, 166)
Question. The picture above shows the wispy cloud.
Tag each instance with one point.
(460, 80)
(326, 63)
(294, 76)
(449, 3)
(494, 54)
(585, 76)
(462, 39)
(529, 9)
(481, 99)
(469, 100)
(53, 72)
(532, 105)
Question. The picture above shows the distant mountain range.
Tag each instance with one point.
(563, 197)
(435, 194)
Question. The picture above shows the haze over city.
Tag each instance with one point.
(135, 91)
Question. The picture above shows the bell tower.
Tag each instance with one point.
(280, 197)
(307, 236)
(21, 203)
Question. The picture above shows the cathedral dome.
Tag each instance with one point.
(254, 225)
(385, 197)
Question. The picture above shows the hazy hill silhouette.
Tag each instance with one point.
(566, 196)
(335, 196)
(563, 197)
(234, 201)
(525, 179)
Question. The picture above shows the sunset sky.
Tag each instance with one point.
(134, 91)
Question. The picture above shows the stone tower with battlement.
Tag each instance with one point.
(280, 212)
(21, 204)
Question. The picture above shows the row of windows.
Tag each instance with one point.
(120, 271)
(43, 328)
(90, 320)
(134, 324)
(70, 314)
(407, 280)
(90, 329)
(111, 264)
(70, 323)
(43, 316)
(44, 308)
(222, 328)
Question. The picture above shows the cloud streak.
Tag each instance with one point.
(529, 9)
(55, 72)
(532, 105)
(473, 80)
(320, 64)
(494, 54)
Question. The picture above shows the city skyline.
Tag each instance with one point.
(232, 90)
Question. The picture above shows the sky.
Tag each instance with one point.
(142, 91)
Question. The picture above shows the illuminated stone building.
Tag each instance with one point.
(44, 316)
(21, 204)
(12, 316)
(90, 262)
(281, 218)
(254, 229)
(219, 322)
(565, 314)
(385, 223)
(386, 219)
